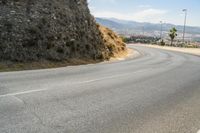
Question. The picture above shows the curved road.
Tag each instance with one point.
(157, 92)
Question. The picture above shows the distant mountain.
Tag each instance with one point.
(133, 27)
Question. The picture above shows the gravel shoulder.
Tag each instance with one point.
(194, 51)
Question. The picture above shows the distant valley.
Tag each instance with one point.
(125, 27)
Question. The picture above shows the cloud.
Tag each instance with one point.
(149, 13)
(108, 14)
(110, 1)
(144, 6)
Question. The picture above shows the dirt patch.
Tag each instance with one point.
(130, 54)
(44, 64)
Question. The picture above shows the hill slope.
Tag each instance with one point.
(53, 30)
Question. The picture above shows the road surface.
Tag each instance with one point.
(157, 92)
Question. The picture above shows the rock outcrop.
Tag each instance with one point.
(55, 30)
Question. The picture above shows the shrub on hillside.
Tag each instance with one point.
(162, 43)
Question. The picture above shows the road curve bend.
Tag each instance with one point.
(157, 92)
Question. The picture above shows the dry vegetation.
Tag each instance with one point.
(115, 44)
(112, 42)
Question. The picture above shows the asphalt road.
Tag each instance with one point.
(157, 92)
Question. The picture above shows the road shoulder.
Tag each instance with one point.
(193, 51)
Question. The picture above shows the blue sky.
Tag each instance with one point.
(154, 11)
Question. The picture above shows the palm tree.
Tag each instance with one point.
(173, 34)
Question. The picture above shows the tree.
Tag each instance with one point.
(173, 34)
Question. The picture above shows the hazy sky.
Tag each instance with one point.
(169, 11)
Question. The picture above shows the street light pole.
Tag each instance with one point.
(185, 20)
(161, 28)
(143, 30)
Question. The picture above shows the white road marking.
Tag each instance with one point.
(198, 131)
(83, 82)
(111, 77)
(23, 92)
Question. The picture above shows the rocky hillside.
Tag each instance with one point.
(54, 30)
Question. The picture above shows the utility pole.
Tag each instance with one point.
(161, 29)
(185, 20)
(143, 30)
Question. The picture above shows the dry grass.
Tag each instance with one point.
(115, 45)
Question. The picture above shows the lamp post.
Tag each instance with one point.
(143, 30)
(185, 20)
(161, 28)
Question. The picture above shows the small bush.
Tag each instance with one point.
(8, 25)
(162, 43)
(4, 1)
(87, 47)
(50, 45)
(44, 21)
(33, 30)
(60, 50)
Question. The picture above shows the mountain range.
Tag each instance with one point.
(126, 27)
